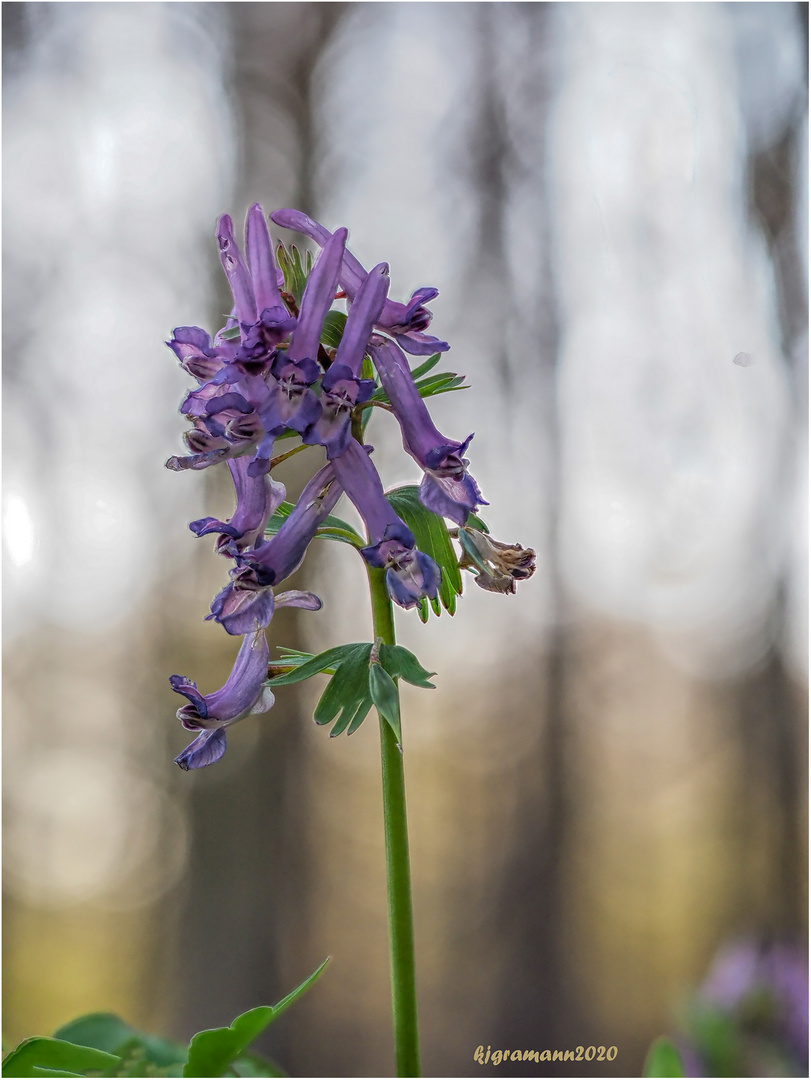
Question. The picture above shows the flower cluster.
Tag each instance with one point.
(267, 375)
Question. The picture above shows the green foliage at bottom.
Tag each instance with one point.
(101, 1044)
(663, 1059)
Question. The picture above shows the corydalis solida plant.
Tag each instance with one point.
(286, 364)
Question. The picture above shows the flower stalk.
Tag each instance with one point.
(398, 864)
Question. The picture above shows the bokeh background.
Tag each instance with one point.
(609, 782)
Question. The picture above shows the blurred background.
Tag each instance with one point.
(608, 785)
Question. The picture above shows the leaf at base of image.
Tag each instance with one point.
(105, 1031)
(663, 1059)
(212, 1052)
(56, 1057)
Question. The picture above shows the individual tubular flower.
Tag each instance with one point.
(405, 322)
(248, 599)
(342, 388)
(410, 574)
(291, 402)
(258, 497)
(216, 438)
(244, 693)
(497, 566)
(197, 354)
(446, 487)
(273, 321)
(233, 376)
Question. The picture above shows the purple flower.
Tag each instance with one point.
(410, 574)
(258, 497)
(196, 353)
(248, 599)
(446, 487)
(291, 403)
(405, 322)
(244, 693)
(746, 968)
(342, 388)
(236, 435)
(259, 311)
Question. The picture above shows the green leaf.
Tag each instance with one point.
(212, 1051)
(333, 329)
(440, 383)
(254, 1065)
(302, 988)
(386, 698)
(347, 687)
(55, 1057)
(663, 1059)
(104, 1031)
(475, 522)
(426, 366)
(359, 717)
(295, 272)
(718, 1039)
(472, 551)
(398, 661)
(431, 534)
(319, 663)
(232, 334)
(332, 528)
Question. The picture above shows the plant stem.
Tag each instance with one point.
(398, 868)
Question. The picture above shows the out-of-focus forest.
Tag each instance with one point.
(608, 785)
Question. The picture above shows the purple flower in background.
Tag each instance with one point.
(446, 487)
(258, 498)
(410, 574)
(405, 322)
(248, 599)
(342, 388)
(746, 969)
(244, 693)
(291, 403)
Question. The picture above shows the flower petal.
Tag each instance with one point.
(208, 747)
(260, 260)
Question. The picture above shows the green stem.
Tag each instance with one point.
(398, 868)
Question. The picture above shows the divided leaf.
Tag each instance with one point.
(426, 366)
(400, 662)
(346, 689)
(431, 534)
(333, 329)
(386, 698)
(329, 659)
(357, 682)
(295, 270)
